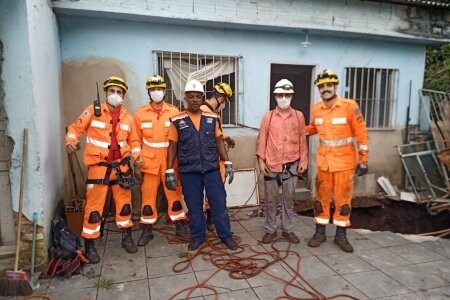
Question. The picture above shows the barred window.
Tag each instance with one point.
(177, 68)
(375, 90)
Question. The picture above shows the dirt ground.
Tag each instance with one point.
(400, 217)
(396, 216)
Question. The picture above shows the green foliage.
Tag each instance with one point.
(104, 283)
(437, 69)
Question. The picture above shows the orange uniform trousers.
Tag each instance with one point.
(95, 202)
(338, 184)
(149, 191)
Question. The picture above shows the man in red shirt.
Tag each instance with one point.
(282, 154)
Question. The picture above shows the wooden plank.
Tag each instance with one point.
(8, 250)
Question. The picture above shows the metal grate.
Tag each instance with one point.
(375, 91)
(178, 67)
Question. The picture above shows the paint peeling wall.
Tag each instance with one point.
(31, 72)
(354, 16)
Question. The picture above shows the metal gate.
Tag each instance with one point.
(427, 164)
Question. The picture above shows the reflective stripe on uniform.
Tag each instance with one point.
(103, 145)
(125, 127)
(137, 149)
(335, 143)
(146, 125)
(156, 145)
(167, 124)
(71, 136)
(321, 221)
(97, 143)
(122, 223)
(180, 216)
(91, 231)
(338, 121)
(98, 124)
(89, 185)
(341, 223)
(363, 147)
(148, 220)
(318, 121)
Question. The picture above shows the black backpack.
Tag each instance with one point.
(65, 242)
(67, 257)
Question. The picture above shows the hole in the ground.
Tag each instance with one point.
(399, 217)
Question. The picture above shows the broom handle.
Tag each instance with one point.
(74, 177)
(22, 178)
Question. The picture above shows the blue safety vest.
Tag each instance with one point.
(196, 152)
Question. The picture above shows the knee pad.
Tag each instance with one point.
(318, 207)
(94, 217)
(126, 210)
(177, 206)
(345, 210)
(147, 210)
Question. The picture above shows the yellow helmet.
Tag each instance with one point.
(327, 76)
(155, 81)
(116, 81)
(225, 89)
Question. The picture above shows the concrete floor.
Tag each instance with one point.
(384, 266)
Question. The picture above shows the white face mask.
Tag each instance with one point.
(283, 101)
(157, 96)
(114, 100)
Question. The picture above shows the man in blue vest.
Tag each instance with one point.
(196, 140)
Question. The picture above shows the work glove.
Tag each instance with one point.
(229, 171)
(71, 148)
(171, 182)
(361, 169)
(230, 142)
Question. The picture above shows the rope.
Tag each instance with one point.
(247, 262)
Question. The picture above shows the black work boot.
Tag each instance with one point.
(340, 239)
(209, 221)
(181, 229)
(90, 251)
(319, 236)
(146, 235)
(127, 241)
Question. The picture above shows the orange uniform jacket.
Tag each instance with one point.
(153, 131)
(98, 134)
(338, 126)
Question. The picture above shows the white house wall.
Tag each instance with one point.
(31, 70)
(132, 43)
(127, 47)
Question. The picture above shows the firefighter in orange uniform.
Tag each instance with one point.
(215, 104)
(111, 140)
(152, 123)
(339, 123)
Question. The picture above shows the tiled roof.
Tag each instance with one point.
(428, 3)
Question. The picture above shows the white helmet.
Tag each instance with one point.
(194, 86)
(283, 86)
